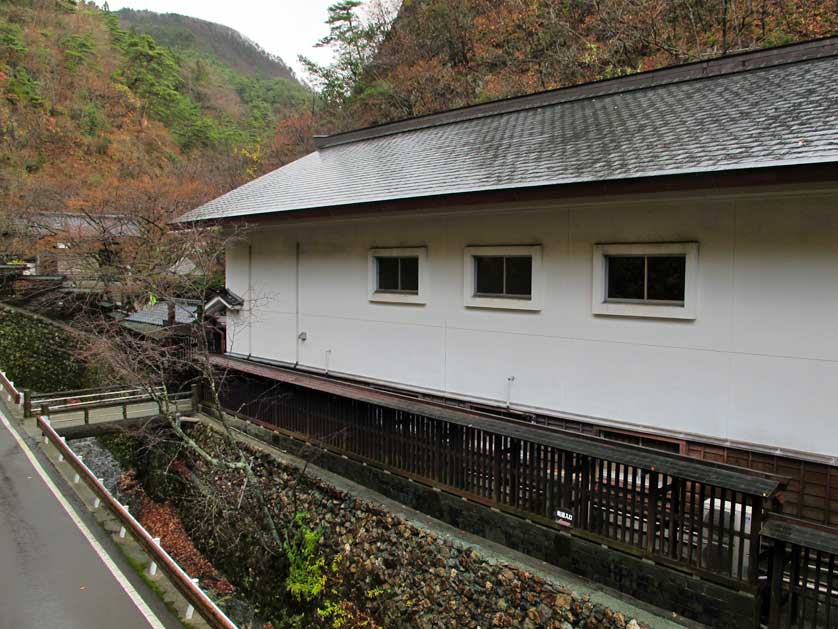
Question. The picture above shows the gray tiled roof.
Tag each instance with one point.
(158, 314)
(767, 116)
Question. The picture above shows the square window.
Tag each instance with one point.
(503, 276)
(646, 280)
(400, 275)
(396, 275)
(507, 277)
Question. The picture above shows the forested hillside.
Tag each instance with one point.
(199, 38)
(439, 54)
(97, 117)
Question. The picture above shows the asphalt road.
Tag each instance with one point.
(50, 574)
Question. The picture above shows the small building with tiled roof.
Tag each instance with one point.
(651, 258)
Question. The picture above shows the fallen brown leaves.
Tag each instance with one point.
(162, 520)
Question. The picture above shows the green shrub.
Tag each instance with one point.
(77, 49)
(38, 354)
(23, 88)
(11, 40)
(307, 567)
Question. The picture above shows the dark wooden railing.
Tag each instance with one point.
(803, 574)
(688, 514)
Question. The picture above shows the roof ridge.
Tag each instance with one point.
(696, 70)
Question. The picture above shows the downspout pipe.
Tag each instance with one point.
(297, 340)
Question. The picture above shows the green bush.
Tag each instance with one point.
(23, 88)
(77, 49)
(307, 567)
(37, 354)
(11, 40)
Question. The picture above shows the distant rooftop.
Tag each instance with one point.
(769, 108)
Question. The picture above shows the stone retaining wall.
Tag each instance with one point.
(694, 598)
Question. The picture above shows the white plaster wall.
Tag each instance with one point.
(759, 364)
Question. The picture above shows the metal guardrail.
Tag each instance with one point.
(193, 594)
(12, 394)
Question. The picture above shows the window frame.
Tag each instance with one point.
(472, 299)
(391, 296)
(601, 305)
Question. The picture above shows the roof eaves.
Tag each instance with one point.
(576, 181)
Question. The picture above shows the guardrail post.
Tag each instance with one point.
(152, 569)
(189, 609)
(122, 528)
(27, 402)
(97, 501)
(196, 397)
(77, 478)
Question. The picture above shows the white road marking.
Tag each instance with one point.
(141, 605)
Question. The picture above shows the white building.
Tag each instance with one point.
(653, 258)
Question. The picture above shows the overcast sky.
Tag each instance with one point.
(284, 27)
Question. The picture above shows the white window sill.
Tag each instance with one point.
(502, 303)
(643, 310)
(396, 298)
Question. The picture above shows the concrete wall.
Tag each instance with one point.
(759, 364)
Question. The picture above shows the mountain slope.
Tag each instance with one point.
(96, 118)
(185, 33)
(439, 54)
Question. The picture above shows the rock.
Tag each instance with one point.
(533, 615)
(563, 601)
(545, 612)
(503, 605)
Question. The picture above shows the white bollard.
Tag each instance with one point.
(122, 532)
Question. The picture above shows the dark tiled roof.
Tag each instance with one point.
(779, 110)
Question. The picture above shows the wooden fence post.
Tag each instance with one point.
(196, 397)
(27, 402)
(778, 561)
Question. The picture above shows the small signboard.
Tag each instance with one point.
(565, 518)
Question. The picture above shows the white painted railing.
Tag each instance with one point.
(9, 391)
(196, 598)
